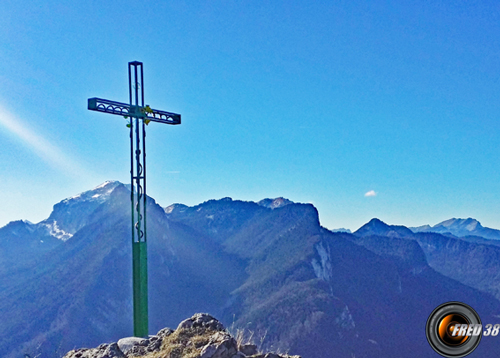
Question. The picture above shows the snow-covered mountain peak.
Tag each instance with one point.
(99, 193)
(71, 214)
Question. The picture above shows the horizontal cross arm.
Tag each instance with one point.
(124, 109)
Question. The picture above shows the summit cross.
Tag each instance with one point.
(140, 115)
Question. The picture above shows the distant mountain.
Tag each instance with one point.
(67, 217)
(471, 260)
(267, 270)
(460, 228)
(78, 293)
(21, 242)
(342, 230)
(275, 203)
(71, 214)
(378, 227)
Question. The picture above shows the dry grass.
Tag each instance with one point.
(183, 343)
(246, 336)
(242, 337)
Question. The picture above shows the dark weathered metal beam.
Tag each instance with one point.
(124, 109)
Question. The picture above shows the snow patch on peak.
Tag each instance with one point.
(73, 197)
(106, 183)
(468, 224)
(57, 232)
(180, 207)
(100, 192)
(275, 203)
(447, 223)
(472, 226)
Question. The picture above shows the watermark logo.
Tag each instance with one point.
(454, 329)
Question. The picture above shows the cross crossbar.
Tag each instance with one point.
(124, 109)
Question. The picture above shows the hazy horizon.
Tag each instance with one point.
(256, 201)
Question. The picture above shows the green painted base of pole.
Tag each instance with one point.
(140, 282)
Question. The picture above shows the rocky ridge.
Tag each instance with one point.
(201, 336)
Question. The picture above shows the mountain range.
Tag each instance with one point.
(460, 228)
(267, 268)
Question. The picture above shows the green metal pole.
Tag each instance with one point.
(139, 242)
(139, 252)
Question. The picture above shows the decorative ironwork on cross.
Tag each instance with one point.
(140, 115)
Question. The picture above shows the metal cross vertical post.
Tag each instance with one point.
(140, 115)
(138, 201)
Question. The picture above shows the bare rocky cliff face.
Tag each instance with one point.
(201, 336)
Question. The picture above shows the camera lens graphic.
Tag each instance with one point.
(441, 325)
(447, 326)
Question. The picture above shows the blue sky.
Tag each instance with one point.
(320, 102)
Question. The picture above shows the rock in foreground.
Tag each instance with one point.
(200, 336)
